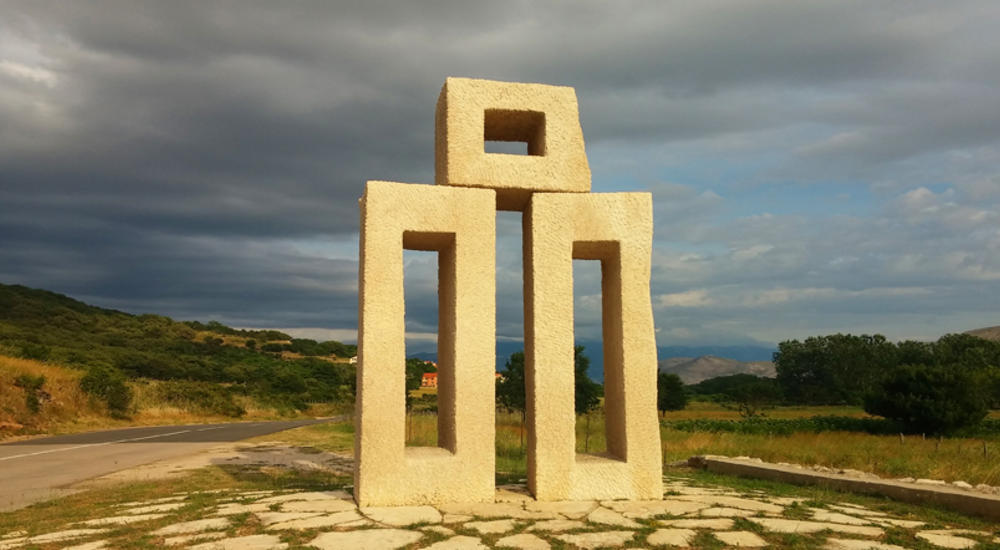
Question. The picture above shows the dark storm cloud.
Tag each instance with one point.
(172, 156)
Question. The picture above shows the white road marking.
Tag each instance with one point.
(92, 445)
(206, 429)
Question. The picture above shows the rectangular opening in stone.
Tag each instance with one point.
(597, 310)
(526, 129)
(511, 428)
(429, 305)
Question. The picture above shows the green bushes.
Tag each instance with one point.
(108, 384)
(930, 399)
(815, 424)
(203, 397)
(32, 386)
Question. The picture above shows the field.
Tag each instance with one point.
(974, 460)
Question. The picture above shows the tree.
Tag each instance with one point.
(415, 369)
(930, 399)
(670, 394)
(510, 392)
(587, 393)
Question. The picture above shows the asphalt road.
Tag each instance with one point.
(38, 469)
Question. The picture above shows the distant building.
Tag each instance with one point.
(354, 360)
(430, 380)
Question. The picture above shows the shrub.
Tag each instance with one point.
(930, 399)
(670, 394)
(203, 397)
(108, 384)
(32, 386)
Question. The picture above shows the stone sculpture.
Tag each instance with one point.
(562, 221)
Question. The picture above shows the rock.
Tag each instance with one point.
(366, 539)
(854, 544)
(906, 524)
(716, 523)
(60, 536)
(723, 513)
(590, 541)
(558, 525)
(455, 518)
(744, 539)
(252, 542)
(328, 506)
(569, 508)
(494, 510)
(311, 495)
(317, 522)
(492, 527)
(156, 508)
(459, 543)
(523, 541)
(96, 545)
(122, 520)
(931, 482)
(734, 502)
(270, 518)
(837, 517)
(187, 539)
(213, 524)
(962, 485)
(402, 516)
(610, 517)
(650, 508)
(781, 525)
(672, 537)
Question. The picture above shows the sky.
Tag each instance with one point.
(815, 166)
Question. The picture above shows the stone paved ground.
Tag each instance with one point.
(688, 516)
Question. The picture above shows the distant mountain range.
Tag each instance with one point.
(694, 370)
(988, 333)
(745, 354)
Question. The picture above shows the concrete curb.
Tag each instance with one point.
(978, 504)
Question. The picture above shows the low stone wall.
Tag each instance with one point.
(967, 502)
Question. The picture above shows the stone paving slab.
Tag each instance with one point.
(197, 526)
(590, 541)
(251, 542)
(367, 539)
(671, 537)
(855, 544)
(523, 541)
(402, 516)
(459, 543)
(741, 539)
(946, 541)
(188, 539)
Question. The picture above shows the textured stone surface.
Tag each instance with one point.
(459, 223)
(350, 518)
(459, 543)
(836, 517)
(650, 508)
(617, 230)
(66, 534)
(492, 527)
(946, 541)
(604, 539)
(188, 539)
(95, 545)
(122, 520)
(213, 524)
(557, 525)
(610, 517)
(251, 542)
(305, 496)
(270, 518)
(733, 502)
(524, 541)
(707, 523)
(722, 512)
(366, 539)
(403, 516)
(470, 112)
(742, 539)
(232, 508)
(157, 508)
(854, 544)
(671, 537)
(797, 526)
(329, 506)
(571, 509)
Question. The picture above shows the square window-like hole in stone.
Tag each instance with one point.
(513, 132)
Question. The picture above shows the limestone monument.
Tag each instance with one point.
(562, 221)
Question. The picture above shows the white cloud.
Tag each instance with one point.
(689, 298)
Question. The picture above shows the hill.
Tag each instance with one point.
(201, 366)
(988, 333)
(694, 370)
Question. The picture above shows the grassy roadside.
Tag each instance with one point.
(65, 408)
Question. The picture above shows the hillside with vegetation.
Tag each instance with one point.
(125, 364)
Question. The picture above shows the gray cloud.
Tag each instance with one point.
(174, 156)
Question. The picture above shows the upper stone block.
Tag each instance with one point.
(471, 112)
